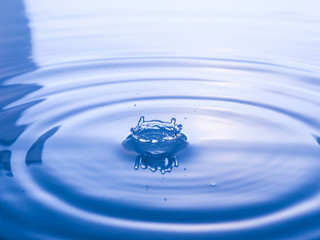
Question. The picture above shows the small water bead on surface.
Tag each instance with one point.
(165, 199)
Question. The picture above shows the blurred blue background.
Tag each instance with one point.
(243, 78)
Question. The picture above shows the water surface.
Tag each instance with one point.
(242, 78)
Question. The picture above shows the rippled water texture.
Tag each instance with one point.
(242, 78)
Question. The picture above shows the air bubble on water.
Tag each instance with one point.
(213, 184)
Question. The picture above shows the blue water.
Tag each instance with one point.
(242, 77)
(156, 142)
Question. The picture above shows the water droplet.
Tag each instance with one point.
(147, 188)
(213, 184)
(165, 199)
(134, 104)
(185, 169)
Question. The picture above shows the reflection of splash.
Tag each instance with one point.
(156, 142)
(34, 154)
(163, 163)
(5, 162)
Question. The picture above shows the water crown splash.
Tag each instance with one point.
(156, 142)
